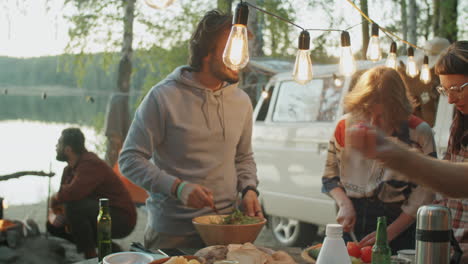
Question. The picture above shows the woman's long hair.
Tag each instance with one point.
(384, 86)
(455, 61)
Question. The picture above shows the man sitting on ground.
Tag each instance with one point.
(86, 179)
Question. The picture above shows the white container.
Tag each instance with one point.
(128, 257)
(333, 250)
(409, 254)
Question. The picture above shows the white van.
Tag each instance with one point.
(292, 129)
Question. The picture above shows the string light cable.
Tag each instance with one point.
(382, 28)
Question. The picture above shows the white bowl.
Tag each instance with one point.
(128, 258)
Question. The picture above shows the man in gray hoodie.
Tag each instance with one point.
(189, 145)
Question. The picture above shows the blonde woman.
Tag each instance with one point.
(363, 189)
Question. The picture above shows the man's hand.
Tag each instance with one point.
(196, 196)
(251, 204)
(346, 217)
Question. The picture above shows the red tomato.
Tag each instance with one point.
(366, 254)
(353, 249)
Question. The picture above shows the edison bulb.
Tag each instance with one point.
(411, 68)
(391, 60)
(338, 82)
(159, 4)
(347, 63)
(373, 50)
(302, 72)
(425, 76)
(236, 52)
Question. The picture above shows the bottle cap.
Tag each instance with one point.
(334, 230)
(103, 202)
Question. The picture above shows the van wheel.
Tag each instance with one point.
(292, 233)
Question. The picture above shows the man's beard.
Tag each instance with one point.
(61, 156)
(221, 72)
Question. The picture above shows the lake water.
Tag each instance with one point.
(30, 146)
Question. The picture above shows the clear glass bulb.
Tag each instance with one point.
(391, 60)
(411, 68)
(302, 72)
(236, 52)
(159, 4)
(425, 76)
(373, 50)
(338, 82)
(264, 94)
(347, 63)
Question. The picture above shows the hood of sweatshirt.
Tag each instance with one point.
(184, 76)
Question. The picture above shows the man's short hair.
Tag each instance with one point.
(74, 138)
(205, 37)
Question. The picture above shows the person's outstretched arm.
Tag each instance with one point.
(442, 176)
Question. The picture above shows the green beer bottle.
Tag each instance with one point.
(104, 236)
(381, 252)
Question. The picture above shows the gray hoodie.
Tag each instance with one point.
(184, 130)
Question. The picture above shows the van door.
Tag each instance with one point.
(291, 145)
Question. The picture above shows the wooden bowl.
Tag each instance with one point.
(188, 257)
(217, 234)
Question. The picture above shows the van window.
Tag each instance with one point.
(330, 100)
(298, 103)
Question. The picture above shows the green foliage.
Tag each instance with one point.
(276, 31)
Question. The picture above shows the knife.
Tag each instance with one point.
(353, 237)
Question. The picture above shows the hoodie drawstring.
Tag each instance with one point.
(221, 116)
(206, 110)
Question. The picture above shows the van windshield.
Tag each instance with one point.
(318, 100)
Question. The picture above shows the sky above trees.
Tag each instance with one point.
(32, 28)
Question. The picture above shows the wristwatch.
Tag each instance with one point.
(250, 187)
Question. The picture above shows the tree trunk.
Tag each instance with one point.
(428, 21)
(365, 28)
(118, 118)
(413, 21)
(255, 27)
(225, 6)
(436, 17)
(448, 20)
(404, 19)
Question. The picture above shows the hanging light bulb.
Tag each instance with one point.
(411, 69)
(425, 76)
(302, 72)
(159, 4)
(392, 58)
(347, 63)
(236, 52)
(337, 81)
(89, 99)
(373, 50)
(264, 93)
